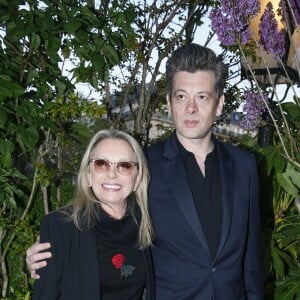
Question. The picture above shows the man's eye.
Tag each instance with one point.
(203, 98)
(180, 97)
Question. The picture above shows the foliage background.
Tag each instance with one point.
(119, 49)
(265, 55)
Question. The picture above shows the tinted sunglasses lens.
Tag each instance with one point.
(101, 165)
(125, 167)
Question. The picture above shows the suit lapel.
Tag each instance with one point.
(89, 265)
(176, 175)
(227, 172)
(177, 180)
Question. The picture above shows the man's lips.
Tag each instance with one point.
(191, 123)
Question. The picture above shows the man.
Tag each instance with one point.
(203, 194)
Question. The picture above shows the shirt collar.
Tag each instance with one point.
(185, 153)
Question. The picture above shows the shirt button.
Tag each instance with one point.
(213, 269)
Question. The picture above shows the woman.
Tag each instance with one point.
(100, 241)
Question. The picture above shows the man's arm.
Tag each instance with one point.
(35, 257)
(252, 266)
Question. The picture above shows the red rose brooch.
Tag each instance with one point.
(118, 262)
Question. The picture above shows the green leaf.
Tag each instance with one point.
(19, 193)
(30, 137)
(17, 174)
(2, 196)
(3, 118)
(279, 163)
(31, 75)
(20, 142)
(111, 54)
(5, 77)
(11, 202)
(27, 138)
(61, 87)
(52, 47)
(5, 92)
(130, 14)
(277, 261)
(119, 19)
(9, 89)
(98, 62)
(294, 175)
(35, 42)
(6, 160)
(72, 25)
(287, 184)
(6, 146)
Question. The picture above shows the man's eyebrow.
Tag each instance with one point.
(197, 93)
(179, 90)
(204, 92)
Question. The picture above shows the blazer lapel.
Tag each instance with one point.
(177, 180)
(89, 265)
(226, 167)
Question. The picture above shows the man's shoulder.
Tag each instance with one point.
(234, 151)
(156, 148)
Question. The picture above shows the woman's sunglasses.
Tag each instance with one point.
(102, 166)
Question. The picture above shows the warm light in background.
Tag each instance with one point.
(254, 23)
(291, 59)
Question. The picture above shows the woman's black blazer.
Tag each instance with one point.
(72, 272)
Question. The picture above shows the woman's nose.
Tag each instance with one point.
(112, 171)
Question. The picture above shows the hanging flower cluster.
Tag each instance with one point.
(294, 6)
(231, 23)
(271, 38)
(231, 20)
(253, 108)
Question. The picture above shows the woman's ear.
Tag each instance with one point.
(89, 178)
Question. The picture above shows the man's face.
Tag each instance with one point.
(193, 105)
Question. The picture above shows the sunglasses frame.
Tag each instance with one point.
(107, 163)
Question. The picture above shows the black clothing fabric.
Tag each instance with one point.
(184, 267)
(119, 256)
(206, 191)
(73, 273)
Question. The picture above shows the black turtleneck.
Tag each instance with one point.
(121, 263)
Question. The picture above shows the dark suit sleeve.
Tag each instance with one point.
(150, 283)
(252, 266)
(52, 230)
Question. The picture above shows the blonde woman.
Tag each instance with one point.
(100, 241)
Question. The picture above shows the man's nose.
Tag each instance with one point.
(191, 106)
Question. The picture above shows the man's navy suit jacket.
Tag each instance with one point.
(183, 265)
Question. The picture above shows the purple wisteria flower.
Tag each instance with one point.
(230, 21)
(271, 38)
(294, 7)
(254, 108)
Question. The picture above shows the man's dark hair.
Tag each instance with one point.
(192, 58)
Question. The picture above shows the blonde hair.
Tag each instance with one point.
(83, 203)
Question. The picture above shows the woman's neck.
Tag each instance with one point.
(115, 210)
